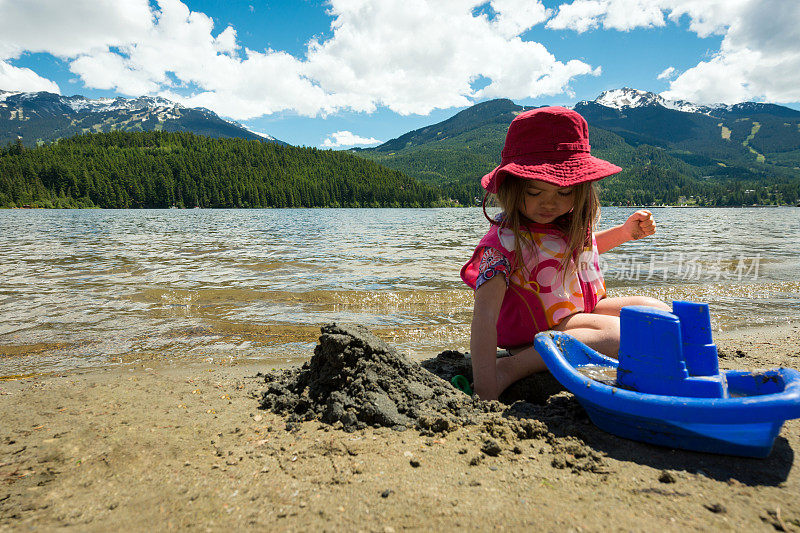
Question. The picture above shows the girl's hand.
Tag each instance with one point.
(640, 224)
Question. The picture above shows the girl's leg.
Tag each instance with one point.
(598, 330)
(595, 330)
(521, 363)
(612, 306)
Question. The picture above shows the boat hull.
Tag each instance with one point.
(743, 423)
(745, 440)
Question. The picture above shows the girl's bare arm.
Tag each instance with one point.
(483, 338)
(640, 224)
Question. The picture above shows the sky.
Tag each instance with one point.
(344, 73)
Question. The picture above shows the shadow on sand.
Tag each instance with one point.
(542, 397)
(771, 471)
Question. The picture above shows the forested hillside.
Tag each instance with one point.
(160, 169)
(654, 176)
(748, 154)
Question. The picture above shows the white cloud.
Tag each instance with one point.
(346, 138)
(666, 74)
(414, 56)
(225, 42)
(517, 16)
(107, 70)
(624, 15)
(759, 58)
(66, 29)
(411, 56)
(720, 80)
(24, 79)
(706, 17)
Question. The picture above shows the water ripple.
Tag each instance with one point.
(104, 287)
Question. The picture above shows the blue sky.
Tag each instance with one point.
(354, 72)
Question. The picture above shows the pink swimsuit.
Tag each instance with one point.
(546, 297)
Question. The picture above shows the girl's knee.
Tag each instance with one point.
(589, 321)
(613, 306)
(650, 302)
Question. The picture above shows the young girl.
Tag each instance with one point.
(538, 268)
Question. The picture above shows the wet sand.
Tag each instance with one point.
(190, 448)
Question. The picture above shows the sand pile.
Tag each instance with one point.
(355, 380)
(358, 380)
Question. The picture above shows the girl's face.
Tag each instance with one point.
(545, 202)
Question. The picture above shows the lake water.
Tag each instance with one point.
(88, 288)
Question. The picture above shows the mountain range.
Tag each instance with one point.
(720, 155)
(672, 151)
(42, 117)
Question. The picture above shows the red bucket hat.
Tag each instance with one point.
(550, 144)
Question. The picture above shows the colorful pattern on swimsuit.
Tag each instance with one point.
(493, 262)
(544, 292)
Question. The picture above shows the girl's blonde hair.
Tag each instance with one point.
(577, 225)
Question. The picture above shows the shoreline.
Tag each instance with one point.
(679, 206)
(262, 365)
(188, 448)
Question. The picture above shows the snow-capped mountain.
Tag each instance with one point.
(732, 135)
(44, 117)
(103, 105)
(627, 97)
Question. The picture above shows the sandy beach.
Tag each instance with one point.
(143, 448)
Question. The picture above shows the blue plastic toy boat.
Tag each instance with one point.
(667, 389)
